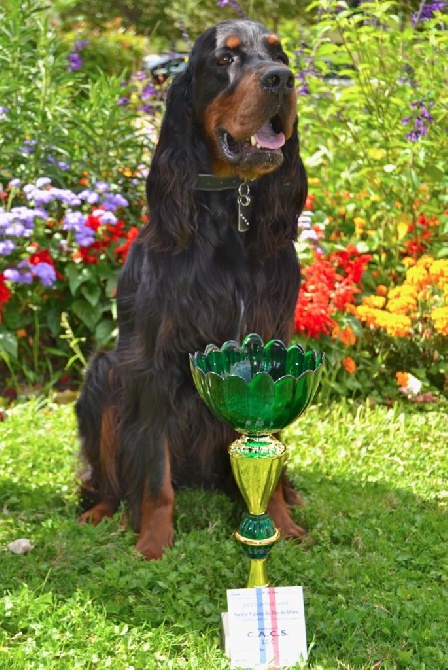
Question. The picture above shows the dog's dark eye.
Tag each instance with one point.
(227, 59)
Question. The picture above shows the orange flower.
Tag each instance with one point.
(346, 336)
(402, 379)
(381, 290)
(349, 364)
(21, 332)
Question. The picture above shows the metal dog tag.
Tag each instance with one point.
(244, 202)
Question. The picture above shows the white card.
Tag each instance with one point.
(266, 627)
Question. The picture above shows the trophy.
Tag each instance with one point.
(257, 389)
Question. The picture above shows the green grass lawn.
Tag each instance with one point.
(373, 566)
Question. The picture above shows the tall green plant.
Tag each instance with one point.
(53, 122)
(373, 112)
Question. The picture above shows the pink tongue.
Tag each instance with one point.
(267, 139)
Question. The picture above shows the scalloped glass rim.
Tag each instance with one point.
(253, 387)
(226, 361)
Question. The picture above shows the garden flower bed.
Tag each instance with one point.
(372, 241)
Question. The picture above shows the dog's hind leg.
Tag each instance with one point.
(156, 517)
(97, 423)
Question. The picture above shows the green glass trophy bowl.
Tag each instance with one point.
(257, 389)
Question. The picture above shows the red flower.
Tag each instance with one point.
(309, 202)
(93, 222)
(43, 256)
(330, 285)
(5, 293)
(123, 250)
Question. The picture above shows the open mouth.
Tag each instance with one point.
(267, 139)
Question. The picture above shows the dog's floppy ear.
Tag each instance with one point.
(279, 200)
(172, 177)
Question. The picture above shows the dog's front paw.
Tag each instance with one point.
(152, 546)
(279, 512)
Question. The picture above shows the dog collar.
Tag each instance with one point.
(208, 182)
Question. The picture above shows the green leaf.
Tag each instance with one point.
(86, 313)
(8, 344)
(434, 174)
(91, 293)
(76, 275)
(104, 332)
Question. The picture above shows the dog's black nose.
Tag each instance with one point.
(277, 80)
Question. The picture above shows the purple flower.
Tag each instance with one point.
(124, 100)
(74, 221)
(38, 196)
(45, 272)
(106, 218)
(233, 5)
(21, 274)
(28, 146)
(7, 247)
(75, 62)
(422, 119)
(42, 181)
(62, 165)
(305, 219)
(138, 76)
(113, 201)
(426, 11)
(147, 92)
(102, 186)
(84, 236)
(309, 235)
(89, 196)
(408, 76)
(5, 218)
(3, 112)
(15, 229)
(14, 183)
(80, 45)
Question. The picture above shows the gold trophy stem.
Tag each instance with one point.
(258, 574)
(257, 463)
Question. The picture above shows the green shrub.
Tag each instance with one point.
(114, 51)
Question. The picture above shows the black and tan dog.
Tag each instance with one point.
(193, 277)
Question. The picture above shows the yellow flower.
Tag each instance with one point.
(402, 305)
(408, 261)
(440, 318)
(377, 301)
(360, 224)
(417, 276)
(369, 315)
(314, 181)
(397, 325)
(438, 272)
(403, 291)
(425, 261)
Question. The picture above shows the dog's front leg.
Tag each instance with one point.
(278, 509)
(156, 525)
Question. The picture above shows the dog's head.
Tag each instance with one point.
(232, 112)
(244, 97)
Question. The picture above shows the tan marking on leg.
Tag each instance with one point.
(156, 529)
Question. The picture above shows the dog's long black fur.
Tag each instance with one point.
(191, 279)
